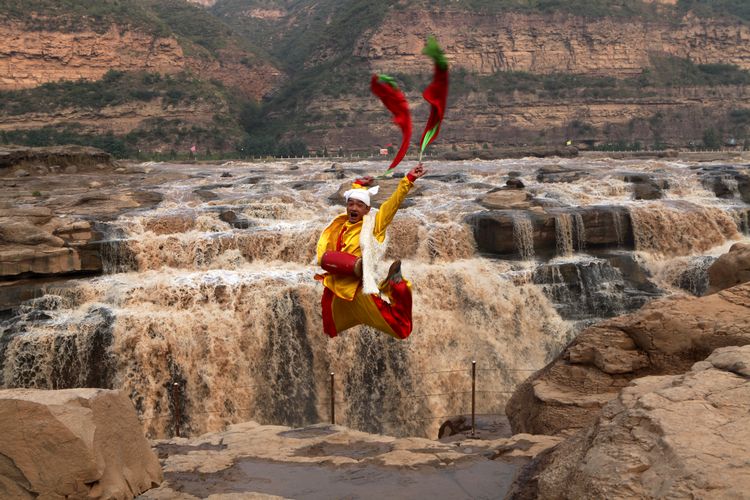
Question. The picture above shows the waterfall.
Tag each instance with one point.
(248, 344)
(580, 232)
(222, 321)
(680, 229)
(117, 257)
(40, 352)
(595, 288)
(686, 273)
(618, 224)
(564, 234)
(523, 235)
(740, 216)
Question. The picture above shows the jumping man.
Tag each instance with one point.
(359, 288)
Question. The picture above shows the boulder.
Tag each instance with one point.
(646, 187)
(558, 173)
(453, 426)
(730, 269)
(73, 443)
(647, 191)
(500, 199)
(231, 218)
(337, 170)
(664, 337)
(35, 215)
(22, 232)
(678, 436)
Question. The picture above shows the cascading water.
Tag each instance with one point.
(570, 234)
(681, 229)
(218, 297)
(580, 232)
(523, 235)
(564, 234)
(619, 226)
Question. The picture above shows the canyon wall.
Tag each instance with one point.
(29, 58)
(551, 43)
(480, 44)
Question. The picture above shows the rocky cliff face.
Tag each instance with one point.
(480, 44)
(30, 58)
(526, 118)
(556, 43)
(547, 44)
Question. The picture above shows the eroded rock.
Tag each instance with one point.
(74, 443)
(665, 337)
(674, 436)
(730, 269)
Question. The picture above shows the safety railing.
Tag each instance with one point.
(176, 415)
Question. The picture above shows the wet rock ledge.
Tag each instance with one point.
(72, 158)
(54, 201)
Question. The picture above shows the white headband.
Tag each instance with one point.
(362, 195)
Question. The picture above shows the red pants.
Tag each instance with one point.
(393, 319)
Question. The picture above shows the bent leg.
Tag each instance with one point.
(398, 313)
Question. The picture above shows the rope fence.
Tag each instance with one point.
(177, 391)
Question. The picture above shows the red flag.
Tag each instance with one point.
(193, 148)
(386, 89)
(436, 93)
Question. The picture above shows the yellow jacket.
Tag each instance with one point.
(346, 287)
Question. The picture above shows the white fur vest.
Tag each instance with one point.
(374, 267)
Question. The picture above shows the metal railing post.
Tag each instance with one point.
(176, 402)
(473, 395)
(333, 404)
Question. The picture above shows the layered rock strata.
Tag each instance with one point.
(31, 58)
(551, 43)
(51, 217)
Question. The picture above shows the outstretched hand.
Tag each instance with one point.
(417, 171)
(364, 181)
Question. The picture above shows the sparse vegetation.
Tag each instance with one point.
(79, 15)
(712, 8)
(115, 88)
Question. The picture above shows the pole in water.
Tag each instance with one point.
(473, 395)
(176, 402)
(333, 407)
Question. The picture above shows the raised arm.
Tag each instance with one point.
(390, 206)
